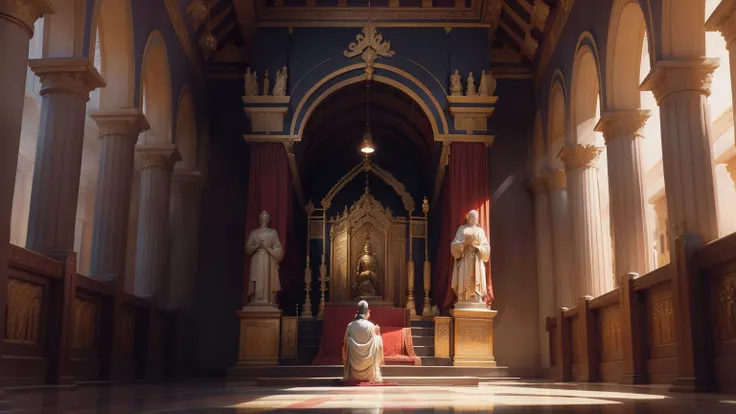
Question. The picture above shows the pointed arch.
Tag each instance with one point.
(155, 90)
(556, 118)
(585, 95)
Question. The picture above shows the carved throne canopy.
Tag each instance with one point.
(365, 219)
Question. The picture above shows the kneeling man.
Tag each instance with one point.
(362, 351)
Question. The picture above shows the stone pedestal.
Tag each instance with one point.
(442, 337)
(473, 338)
(289, 338)
(260, 331)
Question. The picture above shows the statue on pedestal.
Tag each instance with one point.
(456, 87)
(471, 250)
(251, 83)
(266, 253)
(279, 88)
(470, 91)
(366, 273)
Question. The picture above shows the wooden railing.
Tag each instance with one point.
(62, 327)
(675, 325)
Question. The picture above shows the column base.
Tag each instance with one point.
(690, 385)
(633, 379)
(473, 338)
(260, 330)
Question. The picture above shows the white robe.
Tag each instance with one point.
(363, 352)
(469, 270)
(264, 264)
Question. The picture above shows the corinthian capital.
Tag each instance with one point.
(160, 155)
(580, 156)
(622, 124)
(556, 180)
(129, 122)
(673, 76)
(77, 76)
(723, 19)
(25, 12)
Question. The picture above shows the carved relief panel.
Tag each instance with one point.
(610, 333)
(24, 312)
(724, 295)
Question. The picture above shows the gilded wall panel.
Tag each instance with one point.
(725, 308)
(84, 327)
(442, 337)
(610, 333)
(23, 312)
(661, 319)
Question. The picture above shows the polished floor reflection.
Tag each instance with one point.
(517, 397)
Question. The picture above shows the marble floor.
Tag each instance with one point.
(501, 398)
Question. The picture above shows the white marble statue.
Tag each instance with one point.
(251, 83)
(279, 87)
(483, 84)
(362, 351)
(266, 253)
(490, 84)
(470, 90)
(456, 86)
(471, 250)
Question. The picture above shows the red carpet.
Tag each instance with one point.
(367, 384)
(394, 322)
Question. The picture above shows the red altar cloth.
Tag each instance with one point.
(394, 322)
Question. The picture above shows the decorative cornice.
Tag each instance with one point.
(673, 76)
(550, 42)
(580, 156)
(556, 180)
(481, 139)
(161, 156)
(622, 124)
(129, 122)
(77, 76)
(25, 12)
(182, 33)
(723, 19)
(441, 168)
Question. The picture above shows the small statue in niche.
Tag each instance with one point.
(470, 91)
(366, 273)
(456, 87)
(279, 87)
(251, 83)
(266, 83)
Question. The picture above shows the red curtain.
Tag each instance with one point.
(270, 189)
(466, 187)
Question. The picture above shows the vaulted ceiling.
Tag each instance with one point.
(516, 27)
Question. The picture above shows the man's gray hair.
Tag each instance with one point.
(362, 307)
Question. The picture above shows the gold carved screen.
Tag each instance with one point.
(348, 234)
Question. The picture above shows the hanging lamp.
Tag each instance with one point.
(366, 145)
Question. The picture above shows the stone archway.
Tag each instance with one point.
(155, 91)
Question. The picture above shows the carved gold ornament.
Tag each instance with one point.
(366, 166)
(370, 45)
(580, 156)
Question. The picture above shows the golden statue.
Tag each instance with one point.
(366, 273)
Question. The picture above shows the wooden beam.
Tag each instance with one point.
(246, 12)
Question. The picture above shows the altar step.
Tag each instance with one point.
(405, 381)
(251, 373)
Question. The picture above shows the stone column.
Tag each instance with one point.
(592, 273)
(152, 251)
(545, 263)
(561, 247)
(621, 130)
(682, 89)
(66, 84)
(119, 130)
(186, 189)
